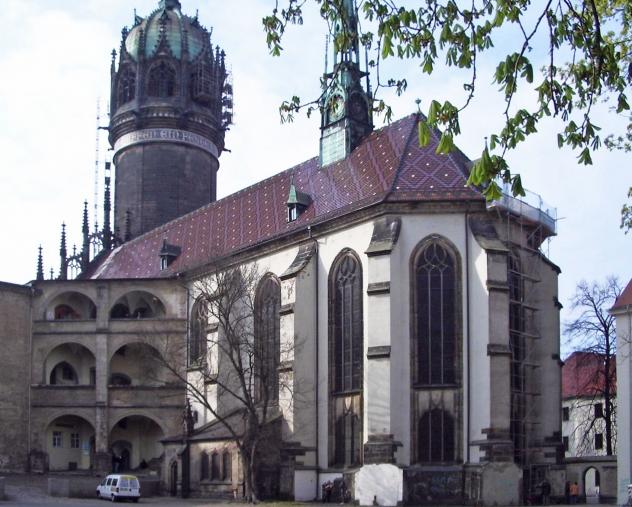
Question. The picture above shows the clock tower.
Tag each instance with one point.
(346, 105)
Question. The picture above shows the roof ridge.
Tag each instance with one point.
(400, 163)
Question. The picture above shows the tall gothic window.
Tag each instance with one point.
(435, 318)
(435, 345)
(268, 338)
(346, 352)
(197, 336)
(126, 86)
(162, 81)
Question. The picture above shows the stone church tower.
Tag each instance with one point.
(171, 103)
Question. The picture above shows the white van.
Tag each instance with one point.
(117, 487)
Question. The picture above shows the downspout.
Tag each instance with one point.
(317, 374)
(467, 326)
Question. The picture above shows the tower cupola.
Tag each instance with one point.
(171, 104)
(346, 105)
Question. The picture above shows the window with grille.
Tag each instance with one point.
(162, 81)
(58, 439)
(227, 466)
(74, 440)
(346, 354)
(126, 86)
(215, 467)
(202, 82)
(204, 468)
(435, 316)
(268, 338)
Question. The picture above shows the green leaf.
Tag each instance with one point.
(424, 133)
(433, 112)
(446, 144)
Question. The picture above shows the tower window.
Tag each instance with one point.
(598, 441)
(162, 81)
(126, 86)
(598, 410)
(201, 83)
(566, 413)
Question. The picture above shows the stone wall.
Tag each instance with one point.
(15, 331)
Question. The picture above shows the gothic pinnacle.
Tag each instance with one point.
(40, 265)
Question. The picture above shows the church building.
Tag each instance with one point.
(423, 321)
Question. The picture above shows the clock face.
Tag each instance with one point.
(336, 107)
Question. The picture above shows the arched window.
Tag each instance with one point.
(268, 338)
(162, 81)
(435, 335)
(435, 316)
(204, 469)
(227, 466)
(436, 437)
(197, 339)
(63, 374)
(346, 353)
(126, 86)
(120, 311)
(120, 379)
(65, 312)
(215, 476)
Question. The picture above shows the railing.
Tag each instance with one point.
(62, 396)
(530, 206)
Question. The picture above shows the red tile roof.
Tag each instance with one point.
(625, 298)
(389, 165)
(582, 375)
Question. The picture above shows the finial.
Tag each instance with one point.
(63, 255)
(418, 102)
(40, 265)
(107, 206)
(52, 274)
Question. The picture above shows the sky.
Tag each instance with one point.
(55, 60)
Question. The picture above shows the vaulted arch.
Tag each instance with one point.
(138, 304)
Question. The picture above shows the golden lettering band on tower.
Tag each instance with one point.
(165, 136)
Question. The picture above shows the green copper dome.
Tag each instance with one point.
(167, 28)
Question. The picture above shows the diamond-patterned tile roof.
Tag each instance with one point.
(389, 165)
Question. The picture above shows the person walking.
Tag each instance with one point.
(546, 492)
(574, 491)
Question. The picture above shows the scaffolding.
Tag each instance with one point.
(529, 222)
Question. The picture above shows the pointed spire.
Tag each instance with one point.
(85, 250)
(169, 4)
(40, 265)
(107, 207)
(113, 66)
(63, 255)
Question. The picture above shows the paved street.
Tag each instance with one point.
(30, 491)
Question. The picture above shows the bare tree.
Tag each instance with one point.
(593, 331)
(234, 344)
